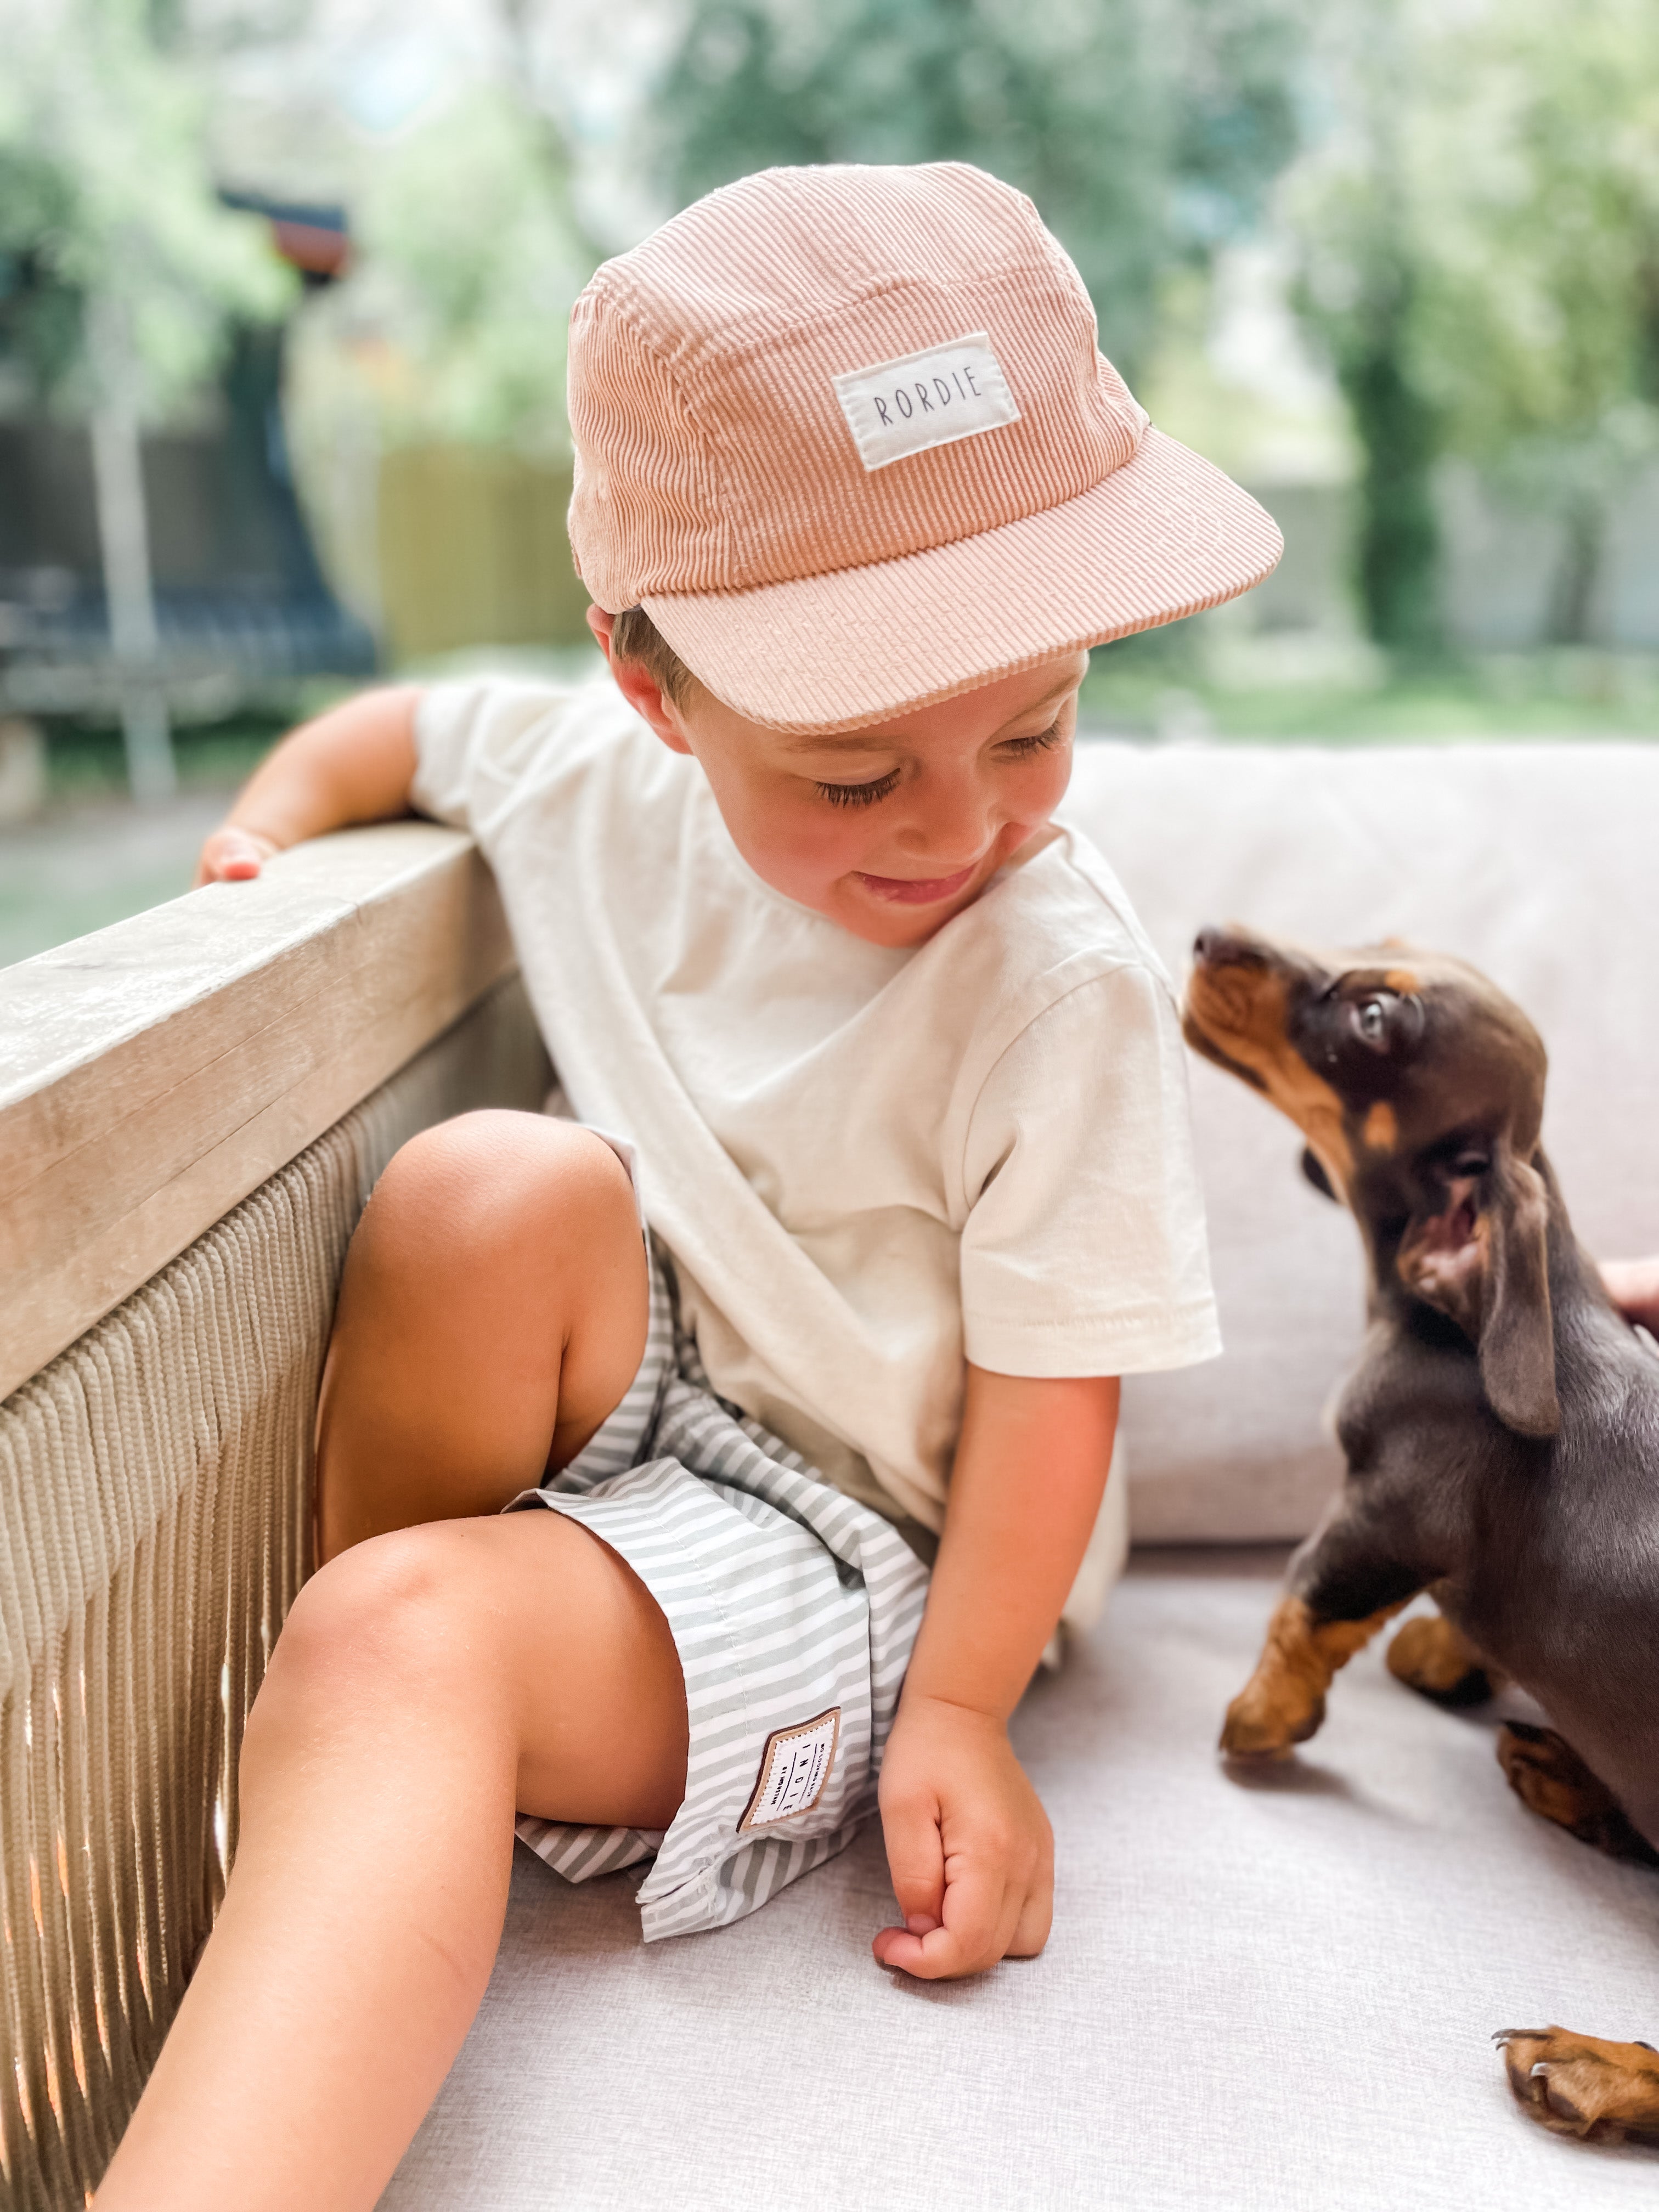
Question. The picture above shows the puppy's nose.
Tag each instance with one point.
(1224, 948)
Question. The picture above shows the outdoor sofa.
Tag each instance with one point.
(1272, 1994)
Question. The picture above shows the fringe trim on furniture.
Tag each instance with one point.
(154, 1527)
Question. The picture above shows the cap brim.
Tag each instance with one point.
(1164, 536)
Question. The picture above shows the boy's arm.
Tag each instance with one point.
(355, 764)
(969, 1845)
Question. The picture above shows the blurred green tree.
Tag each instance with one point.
(469, 257)
(1480, 225)
(1539, 328)
(1146, 135)
(105, 195)
(121, 278)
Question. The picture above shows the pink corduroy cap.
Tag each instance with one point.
(845, 436)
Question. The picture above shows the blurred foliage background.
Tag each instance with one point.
(283, 289)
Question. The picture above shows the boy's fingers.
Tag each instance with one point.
(1036, 1918)
(232, 856)
(915, 1861)
(980, 1920)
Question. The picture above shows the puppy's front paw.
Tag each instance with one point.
(1270, 1716)
(1581, 2085)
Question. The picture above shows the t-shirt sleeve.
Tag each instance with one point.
(1085, 1251)
(476, 743)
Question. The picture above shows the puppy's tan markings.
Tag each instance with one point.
(1403, 980)
(1283, 1701)
(1549, 1778)
(1244, 1015)
(1432, 1658)
(1582, 2085)
(1381, 1129)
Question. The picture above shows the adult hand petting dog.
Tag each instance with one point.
(1633, 1286)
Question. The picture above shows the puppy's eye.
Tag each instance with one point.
(1371, 1020)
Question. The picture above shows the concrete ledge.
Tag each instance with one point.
(154, 1073)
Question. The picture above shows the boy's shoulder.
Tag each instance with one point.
(1059, 917)
(514, 718)
(487, 744)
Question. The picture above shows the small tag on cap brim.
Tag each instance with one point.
(902, 407)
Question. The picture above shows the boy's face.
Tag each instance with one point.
(889, 830)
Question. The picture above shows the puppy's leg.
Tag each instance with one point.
(1579, 2085)
(1283, 1701)
(1350, 1577)
(1549, 1778)
(1431, 1656)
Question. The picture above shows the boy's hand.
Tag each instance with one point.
(1633, 1286)
(234, 855)
(968, 1844)
(354, 763)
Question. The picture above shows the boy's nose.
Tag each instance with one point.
(951, 827)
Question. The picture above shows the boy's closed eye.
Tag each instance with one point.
(878, 787)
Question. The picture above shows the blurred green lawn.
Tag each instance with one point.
(92, 858)
(1164, 683)
(1427, 709)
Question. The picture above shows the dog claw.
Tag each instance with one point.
(1580, 2085)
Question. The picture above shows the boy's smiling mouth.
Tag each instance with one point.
(919, 891)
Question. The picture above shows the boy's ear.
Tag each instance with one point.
(637, 685)
(1483, 1260)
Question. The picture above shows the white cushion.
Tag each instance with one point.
(1266, 1998)
(1537, 862)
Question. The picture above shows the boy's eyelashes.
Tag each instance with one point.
(867, 794)
(1019, 748)
(859, 794)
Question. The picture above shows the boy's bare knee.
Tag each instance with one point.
(393, 1621)
(492, 1180)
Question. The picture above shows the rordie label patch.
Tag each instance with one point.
(795, 1768)
(903, 407)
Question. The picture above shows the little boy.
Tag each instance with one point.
(884, 1061)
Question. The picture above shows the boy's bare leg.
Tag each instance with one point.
(425, 1684)
(492, 1312)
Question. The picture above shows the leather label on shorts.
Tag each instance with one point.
(902, 407)
(793, 1771)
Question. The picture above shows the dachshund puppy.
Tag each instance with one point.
(1501, 1428)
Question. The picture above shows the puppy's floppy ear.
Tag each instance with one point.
(1313, 1168)
(1484, 1260)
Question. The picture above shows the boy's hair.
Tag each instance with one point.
(635, 637)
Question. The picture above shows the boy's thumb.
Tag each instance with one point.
(915, 1862)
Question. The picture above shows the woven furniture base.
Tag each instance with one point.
(154, 1527)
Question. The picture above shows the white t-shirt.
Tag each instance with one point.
(869, 1165)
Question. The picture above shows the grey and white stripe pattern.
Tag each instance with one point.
(787, 1601)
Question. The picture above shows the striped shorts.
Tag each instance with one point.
(793, 1610)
